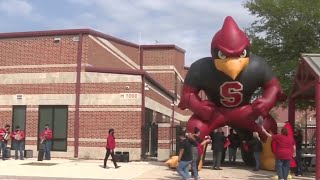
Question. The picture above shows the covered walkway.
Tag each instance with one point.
(306, 87)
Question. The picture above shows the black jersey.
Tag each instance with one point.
(222, 89)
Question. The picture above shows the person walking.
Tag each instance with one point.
(217, 148)
(255, 146)
(285, 149)
(46, 137)
(185, 156)
(18, 137)
(234, 145)
(110, 146)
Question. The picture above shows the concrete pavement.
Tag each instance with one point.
(64, 169)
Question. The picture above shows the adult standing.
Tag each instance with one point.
(185, 156)
(4, 137)
(217, 148)
(298, 139)
(46, 137)
(255, 146)
(197, 150)
(110, 146)
(234, 145)
(285, 149)
(18, 137)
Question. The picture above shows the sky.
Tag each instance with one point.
(189, 24)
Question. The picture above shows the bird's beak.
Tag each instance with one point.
(231, 66)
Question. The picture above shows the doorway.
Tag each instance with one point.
(150, 131)
(57, 119)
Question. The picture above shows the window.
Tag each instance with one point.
(19, 118)
(57, 118)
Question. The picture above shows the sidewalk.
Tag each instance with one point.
(64, 169)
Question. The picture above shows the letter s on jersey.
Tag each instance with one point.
(231, 94)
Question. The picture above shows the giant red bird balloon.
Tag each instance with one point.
(229, 79)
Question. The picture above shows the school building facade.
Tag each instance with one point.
(82, 82)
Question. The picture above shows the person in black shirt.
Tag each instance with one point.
(218, 140)
(298, 139)
(234, 145)
(255, 146)
(185, 156)
(196, 141)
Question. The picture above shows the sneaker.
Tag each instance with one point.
(218, 168)
(255, 169)
(117, 167)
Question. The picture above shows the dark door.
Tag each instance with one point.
(19, 119)
(57, 118)
(154, 140)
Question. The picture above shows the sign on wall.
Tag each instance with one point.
(129, 95)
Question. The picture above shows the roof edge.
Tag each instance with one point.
(163, 46)
(65, 32)
(86, 31)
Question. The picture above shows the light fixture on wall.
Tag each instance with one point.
(57, 39)
(146, 87)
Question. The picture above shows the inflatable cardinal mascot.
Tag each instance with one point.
(229, 79)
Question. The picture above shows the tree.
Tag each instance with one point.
(283, 30)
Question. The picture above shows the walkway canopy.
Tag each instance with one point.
(306, 87)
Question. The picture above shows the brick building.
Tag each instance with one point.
(82, 82)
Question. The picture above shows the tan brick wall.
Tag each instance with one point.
(106, 88)
(38, 70)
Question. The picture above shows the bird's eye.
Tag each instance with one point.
(244, 54)
(221, 55)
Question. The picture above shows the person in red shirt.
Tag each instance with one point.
(285, 149)
(46, 139)
(4, 137)
(110, 146)
(18, 137)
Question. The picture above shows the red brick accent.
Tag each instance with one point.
(6, 118)
(96, 124)
(38, 50)
(100, 57)
(165, 79)
(132, 52)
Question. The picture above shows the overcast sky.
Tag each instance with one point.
(189, 24)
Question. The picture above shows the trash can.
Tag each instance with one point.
(126, 157)
(119, 156)
(28, 153)
(7, 153)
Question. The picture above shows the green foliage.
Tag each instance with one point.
(283, 30)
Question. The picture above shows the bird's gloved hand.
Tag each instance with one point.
(205, 110)
(262, 106)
